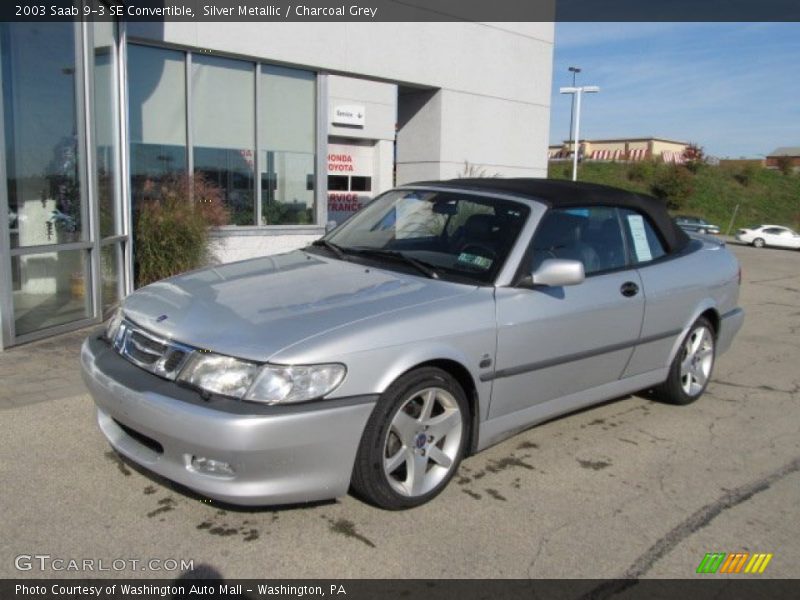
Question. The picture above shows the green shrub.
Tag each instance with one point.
(641, 171)
(673, 185)
(171, 231)
(746, 174)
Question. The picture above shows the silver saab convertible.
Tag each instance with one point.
(440, 319)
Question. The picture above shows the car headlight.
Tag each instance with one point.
(295, 384)
(219, 374)
(112, 327)
(269, 384)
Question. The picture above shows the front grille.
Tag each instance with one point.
(160, 356)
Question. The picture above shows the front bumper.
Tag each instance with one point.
(279, 454)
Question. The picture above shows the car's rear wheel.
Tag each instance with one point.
(758, 243)
(691, 369)
(413, 441)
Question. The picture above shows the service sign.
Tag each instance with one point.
(354, 115)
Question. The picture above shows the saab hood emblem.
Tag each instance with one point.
(161, 318)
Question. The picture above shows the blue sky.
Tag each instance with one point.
(733, 88)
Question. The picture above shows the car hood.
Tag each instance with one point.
(255, 308)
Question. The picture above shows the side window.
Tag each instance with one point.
(643, 241)
(591, 235)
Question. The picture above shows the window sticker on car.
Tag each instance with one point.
(474, 260)
(640, 245)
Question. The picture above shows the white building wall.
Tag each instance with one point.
(231, 247)
(484, 92)
(379, 100)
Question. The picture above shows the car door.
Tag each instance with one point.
(785, 238)
(775, 236)
(557, 341)
(670, 295)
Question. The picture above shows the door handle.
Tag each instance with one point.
(629, 289)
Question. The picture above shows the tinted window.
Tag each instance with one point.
(337, 183)
(591, 235)
(643, 241)
(360, 184)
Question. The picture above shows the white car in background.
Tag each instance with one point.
(769, 235)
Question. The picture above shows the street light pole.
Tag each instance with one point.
(577, 92)
(574, 71)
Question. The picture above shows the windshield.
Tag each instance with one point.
(458, 236)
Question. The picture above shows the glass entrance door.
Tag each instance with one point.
(61, 240)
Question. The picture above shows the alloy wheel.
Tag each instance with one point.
(423, 441)
(697, 360)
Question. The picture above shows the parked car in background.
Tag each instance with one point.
(769, 235)
(695, 225)
(440, 319)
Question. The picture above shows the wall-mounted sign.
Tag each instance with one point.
(350, 172)
(350, 114)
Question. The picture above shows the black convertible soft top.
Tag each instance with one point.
(558, 193)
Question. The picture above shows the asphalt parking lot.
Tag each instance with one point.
(631, 488)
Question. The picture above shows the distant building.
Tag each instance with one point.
(623, 149)
(792, 152)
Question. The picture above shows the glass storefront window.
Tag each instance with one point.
(50, 288)
(111, 270)
(287, 144)
(105, 123)
(45, 204)
(156, 118)
(223, 114)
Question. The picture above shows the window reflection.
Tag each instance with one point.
(157, 118)
(41, 143)
(223, 111)
(287, 138)
(105, 122)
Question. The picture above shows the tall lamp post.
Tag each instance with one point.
(574, 71)
(577, 92)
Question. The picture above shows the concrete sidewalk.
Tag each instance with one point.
(44, 370)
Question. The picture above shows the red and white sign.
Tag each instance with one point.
(348, 160)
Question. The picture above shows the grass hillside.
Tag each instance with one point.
(763, 195)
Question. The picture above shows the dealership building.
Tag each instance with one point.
(298, 124)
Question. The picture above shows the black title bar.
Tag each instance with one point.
(401, 10)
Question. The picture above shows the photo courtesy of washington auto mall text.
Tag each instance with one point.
(185, 589)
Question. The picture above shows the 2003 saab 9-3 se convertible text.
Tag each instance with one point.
(441, 318)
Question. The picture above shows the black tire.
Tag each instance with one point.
(759, 243)
(370, 480)
(674, 389)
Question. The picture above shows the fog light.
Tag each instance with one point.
(209, 466)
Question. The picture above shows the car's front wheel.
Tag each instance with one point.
(413, 441)
(758, 243)
(691, 369)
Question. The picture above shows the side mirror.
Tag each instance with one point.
(557, 272)
(330, 226)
